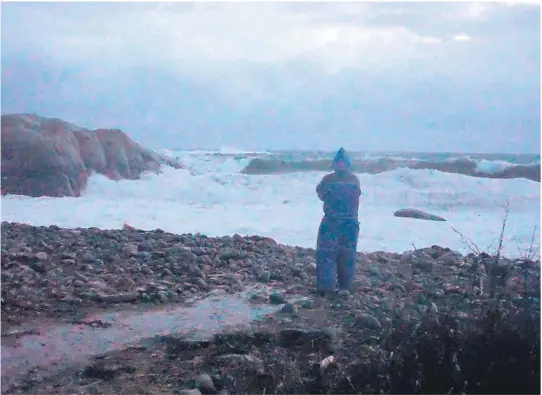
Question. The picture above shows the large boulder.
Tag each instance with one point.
(417, 214)
(49, 157)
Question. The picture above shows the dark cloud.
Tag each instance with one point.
(372, 76)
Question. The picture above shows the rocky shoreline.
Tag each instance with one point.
(50, 270)
(59, 274)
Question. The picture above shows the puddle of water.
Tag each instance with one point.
(60, 345)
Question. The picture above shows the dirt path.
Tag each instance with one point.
(52, 347)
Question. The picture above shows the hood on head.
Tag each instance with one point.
(341, 161)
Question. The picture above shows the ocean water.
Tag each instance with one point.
(216, 197)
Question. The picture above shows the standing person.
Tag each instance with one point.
(339, 229)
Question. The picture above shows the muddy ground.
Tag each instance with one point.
(323, 348)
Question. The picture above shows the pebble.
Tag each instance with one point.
(147, 270)
(305, 304)
(258, 298)
(88, 257)
(231, 254)
(130, 249)
(189, 392)
(42, 256)
(289, 308)
(246, 362)
(311, 268)
(264, 276)
(119, 266)
(81, 277)
(367, 321)
(277, 298)
(38, 267)
(204, 383)
(162, 296)
(407, 258)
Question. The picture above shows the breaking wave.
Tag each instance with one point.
(462, 165)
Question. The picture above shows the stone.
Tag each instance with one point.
(49, 157)
(146, 270)
(199, 282)
(367, 321)
(231, 254)
(305, 304)
(81, 277)
(162, 296)
(130, 249)
(88, 257)
(38, 267)
(325, 339)
(42, 256)
(410, 286)
(311, 268)
(424, 265)
(204, 383)
(120, 298)
(68, 255)
(449, 259)
(277, 298)
(289, 308)
(417, 214)
(258, 298)
(264, 276)
(397, 288)
(193, 391)
(106, 370)
(242, 362)
(407, 258)
(453, 289)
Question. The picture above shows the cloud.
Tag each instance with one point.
(234, 64)
(462, 37)
(191, 36)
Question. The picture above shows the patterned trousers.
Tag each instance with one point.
(336, 254)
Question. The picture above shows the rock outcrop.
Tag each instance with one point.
(49, 157)
(417, 214)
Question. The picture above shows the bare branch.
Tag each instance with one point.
(493, 265)
(471, 245)
(531, 254)
(503, 227)
(520, 250)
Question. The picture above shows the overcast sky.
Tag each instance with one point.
(366, 76)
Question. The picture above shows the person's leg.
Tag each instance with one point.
(346, 262)
(326, 256)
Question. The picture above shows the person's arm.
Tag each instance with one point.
(321, 188)
(359, 186)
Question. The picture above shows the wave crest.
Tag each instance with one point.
(464, 165)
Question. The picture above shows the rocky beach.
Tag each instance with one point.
(167, 171)
(299, 344)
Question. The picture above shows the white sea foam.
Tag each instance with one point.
(492, 166)
(219, 200)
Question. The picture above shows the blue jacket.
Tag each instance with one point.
(340, 192)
